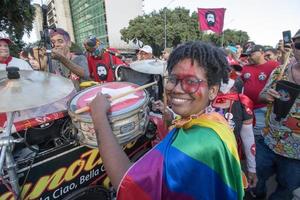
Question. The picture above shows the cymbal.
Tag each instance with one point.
(33, 89)
(152, 66)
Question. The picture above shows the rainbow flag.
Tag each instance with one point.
(196, 161)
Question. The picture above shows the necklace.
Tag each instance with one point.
(292, 70)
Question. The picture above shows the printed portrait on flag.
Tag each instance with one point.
(211, 19)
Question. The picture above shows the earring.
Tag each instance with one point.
(209, 108)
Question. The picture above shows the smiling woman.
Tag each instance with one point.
(201, 149)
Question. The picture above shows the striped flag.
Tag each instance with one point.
(197, 161)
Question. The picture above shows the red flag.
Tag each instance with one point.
(211, 19)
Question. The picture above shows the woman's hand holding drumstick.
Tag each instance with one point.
(87, 108)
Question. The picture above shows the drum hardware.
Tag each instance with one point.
(21, 90)
(152, 66)
(117, 75)
(155, 87)
(86, 108)
(8, 141)
(6, 155)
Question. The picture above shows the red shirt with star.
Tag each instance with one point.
(255, 78)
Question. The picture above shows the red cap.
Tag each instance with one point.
(7, 40)
(234, 63)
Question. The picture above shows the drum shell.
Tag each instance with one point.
(126, 125)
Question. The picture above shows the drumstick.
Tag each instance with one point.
(285, 63)
(86, 108)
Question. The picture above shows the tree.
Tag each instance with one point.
(16, 19)
(149, 29)
(181, 27)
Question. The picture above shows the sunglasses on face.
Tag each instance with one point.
(189, 84)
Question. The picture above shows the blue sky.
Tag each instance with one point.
(263, 20)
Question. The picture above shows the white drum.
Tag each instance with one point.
(128, 115)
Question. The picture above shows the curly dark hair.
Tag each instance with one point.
(211, 58)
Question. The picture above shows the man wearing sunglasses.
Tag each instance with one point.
(279, 151)
(255, 76)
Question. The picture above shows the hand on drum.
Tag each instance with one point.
(100, 106)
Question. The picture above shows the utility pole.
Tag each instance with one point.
(165, 20)
(165, 27)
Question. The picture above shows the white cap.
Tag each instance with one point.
(146, 49)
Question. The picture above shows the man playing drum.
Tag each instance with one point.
(64, 62)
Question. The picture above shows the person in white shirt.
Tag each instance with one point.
(6, 60)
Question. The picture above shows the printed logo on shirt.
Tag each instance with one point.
(247, 76)
(102, 72)
(262, 76)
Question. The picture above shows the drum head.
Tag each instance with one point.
(118, 106)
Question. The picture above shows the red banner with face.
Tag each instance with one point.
(211, 19)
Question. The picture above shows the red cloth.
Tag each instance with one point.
(246, 101)
(103, 64)
(6, 61)
(218, 19)
(255, 78)
(29, 123)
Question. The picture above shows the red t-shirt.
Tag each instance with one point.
(101, 69)
(255, 78)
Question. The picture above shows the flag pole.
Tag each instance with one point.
(222, 39)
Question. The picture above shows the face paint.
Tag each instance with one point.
(189, 84)
(199, 92)
(188, 69)
(186, 103)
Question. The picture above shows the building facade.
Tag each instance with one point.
(38, 21)
(82, 18)
(118, 15)
(59, 16)
(88, 18)
(104, 19)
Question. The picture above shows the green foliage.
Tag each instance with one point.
(181, 26)
(149, 29)
(16, 19)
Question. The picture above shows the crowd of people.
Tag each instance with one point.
(224, 100)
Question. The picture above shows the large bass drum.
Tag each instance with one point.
(128, 115)
(95, 192)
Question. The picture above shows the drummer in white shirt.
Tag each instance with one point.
(6, 60)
